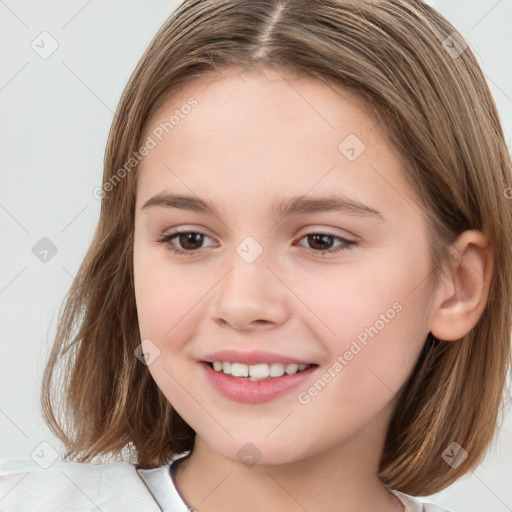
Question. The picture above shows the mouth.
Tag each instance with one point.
(255, 383)
(257, 372)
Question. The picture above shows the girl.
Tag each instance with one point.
(297, 297)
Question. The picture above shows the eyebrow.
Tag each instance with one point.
(286, 207)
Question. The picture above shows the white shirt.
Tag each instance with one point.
(111, 487)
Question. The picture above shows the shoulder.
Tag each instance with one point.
(430, 507)
(414, 505)
(24, 485)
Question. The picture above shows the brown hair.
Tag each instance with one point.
(438, 112)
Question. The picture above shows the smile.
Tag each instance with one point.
(255, 384)
(255, 372)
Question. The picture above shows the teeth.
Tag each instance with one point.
(276, 369)
(260, 371)
(239, 370)
(291, 369)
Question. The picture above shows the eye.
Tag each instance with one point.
(319, 241)
(191, 242)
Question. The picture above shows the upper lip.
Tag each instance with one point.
(251, 357)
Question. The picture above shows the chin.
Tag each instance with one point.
(255, 452)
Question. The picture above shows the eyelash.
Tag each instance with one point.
(166, 240)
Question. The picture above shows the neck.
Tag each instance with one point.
(343, 479)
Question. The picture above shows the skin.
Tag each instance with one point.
(253, 139)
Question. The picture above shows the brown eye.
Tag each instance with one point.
(322, 243)
(184, 242)
(319, 241)
(190, 241)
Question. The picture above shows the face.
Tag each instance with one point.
(315, 253)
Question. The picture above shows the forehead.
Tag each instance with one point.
(265, 134)
(277, 95)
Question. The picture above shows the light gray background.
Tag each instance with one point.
(55, 118)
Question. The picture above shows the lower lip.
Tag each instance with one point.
(254, 392)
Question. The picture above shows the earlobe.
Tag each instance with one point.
(463, 292)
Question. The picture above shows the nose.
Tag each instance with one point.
(250, 296)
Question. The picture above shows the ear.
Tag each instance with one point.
(462, 294)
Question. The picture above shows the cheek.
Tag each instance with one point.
(168, 296)
(373, 321)
(152, 293)
(371, 357)
(356, 299)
